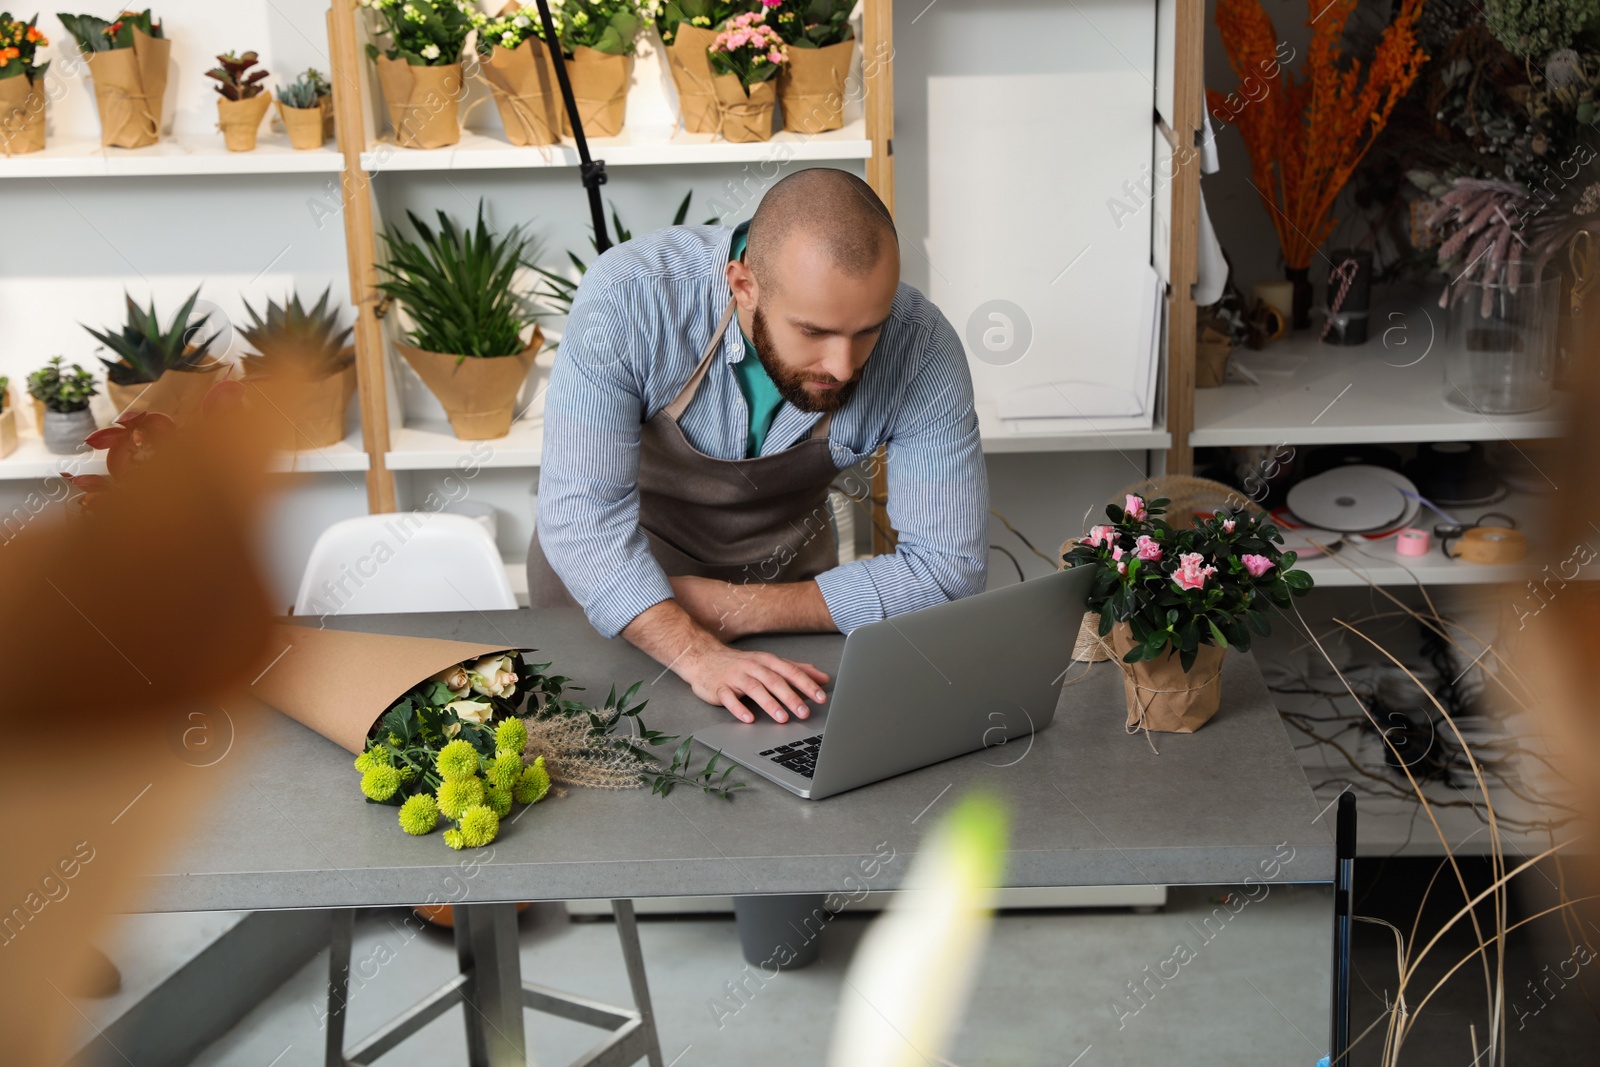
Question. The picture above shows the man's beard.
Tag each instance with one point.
(791, 384)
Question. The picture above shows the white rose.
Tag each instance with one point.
(451, 729)
(471, 710)
(522, 21)
(493, 676)
(455, 679)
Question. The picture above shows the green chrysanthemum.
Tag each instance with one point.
(380, 783)
(372, 757)
(534, 783)
(407, 773)
(505, 770)
(454, 839)
(479, 824)
(459, 794)
(458, 759)
(511, 736)
(419, 814)
(498, 800)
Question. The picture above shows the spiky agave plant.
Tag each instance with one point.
(456, 285)
(288, 335)
(147, 351)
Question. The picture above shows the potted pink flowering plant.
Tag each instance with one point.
(1172, 602)
(745, 60)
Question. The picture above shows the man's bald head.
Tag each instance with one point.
(834, 209)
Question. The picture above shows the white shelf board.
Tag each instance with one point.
(85, 158)
(32, 460)
(347, 455)
(998, 436)
(1342, 395)
(427, 445)
(479, 151)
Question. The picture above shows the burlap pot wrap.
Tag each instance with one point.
(1162, 696)
(128, 86)
(21, 116)
(600, 88)
(424, 103)
(811, 87)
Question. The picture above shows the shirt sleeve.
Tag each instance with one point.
(938, 499)
(588, 512)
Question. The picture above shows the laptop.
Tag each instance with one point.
(923, 687)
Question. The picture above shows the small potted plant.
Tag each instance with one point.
(65, 396)
(821, 46)
(8, 419)
(300, 108)
(687, 29)
(128, 62)
(520, 70)
(22, 97)
(1174, 601)
(310, 348)
(468, 321)
(242, 99)
(745, 61)
(599, 39)
(420, 66)
(167, 370)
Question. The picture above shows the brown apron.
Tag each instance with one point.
(763, 519)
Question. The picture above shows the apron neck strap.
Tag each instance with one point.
(680, 403)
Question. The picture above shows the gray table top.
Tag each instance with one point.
(1090, 805)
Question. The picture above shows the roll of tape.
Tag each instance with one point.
(1412, 542)
(1490, 544)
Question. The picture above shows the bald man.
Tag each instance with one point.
(712, 384)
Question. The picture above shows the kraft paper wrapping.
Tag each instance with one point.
(1162, 696)
(424, 103)
(811, 87)
(691, 73)
(526, 92)
(240, 121)
(8, 431)
(177, 393)
(303, 125)
(745, 117)
(128, 86)
(339, 683)
(479, 395)
(325, 102)
(21, 116)
(319, 409)
(600, 89)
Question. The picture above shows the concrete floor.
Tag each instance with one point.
(1256, 992)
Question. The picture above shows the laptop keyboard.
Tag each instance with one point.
(798, 756)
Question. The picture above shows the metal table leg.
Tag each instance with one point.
(494, 994)
(633, 959)
(343, 929)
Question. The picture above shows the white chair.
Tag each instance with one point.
(410, 561)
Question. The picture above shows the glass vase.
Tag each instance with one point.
(1500, 343)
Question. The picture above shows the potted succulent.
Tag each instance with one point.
(22, 70)
(300, 106)
(8, 419)
(466, 341)
(243, 100)
(420, 66)
(65, 396)
(167, 370)
(687, 29)
(310, 348)
(599, 38)
(745, 60)
(821, 46)
(128, 62)
(1174, 601)
(520, 71)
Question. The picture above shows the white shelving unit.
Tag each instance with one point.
(999, 437)
(182, 156)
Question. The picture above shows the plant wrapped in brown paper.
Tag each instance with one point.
(459, 289)
(22, 100)
(243, 100)
(687, 29)
(300, 108)
(821, 42)
(420, 66)
(167, 370)
(309, 348)
(745, 60)
(128, 62)
(599, 38)
(519, 67)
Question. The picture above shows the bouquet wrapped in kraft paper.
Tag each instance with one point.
(691, 75)
(424, 103)
(478, 394)
(600, 88)
(526, 91)
(129, 84)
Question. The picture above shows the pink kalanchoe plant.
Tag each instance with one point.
(748, 48)
(1215, 583)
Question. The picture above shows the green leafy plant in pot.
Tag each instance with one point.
(458, 288)
(419, 66)
(1172, 602)
(22, 90)
(687, 29)
(159, 369)
(311, 350)
(65, 395)
(811, 86)
(242, 99)
(599, 39)
(128, 62)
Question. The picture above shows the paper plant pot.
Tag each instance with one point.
(1211, 353)
(8, 432)
(338, 683)
(600, 88)
(322, 409)
(1161, 695)
(811, 87)
(325, 102)
(691, 73)
(424, 103)
(303, 125)
(526, 92)
(240, 121)
(64, 431)
(479, 395)
(21, 116)
(175, 393)
(128, 86)
(745, 116)
(38, 416)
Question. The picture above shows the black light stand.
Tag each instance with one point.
(593, 171)
(1343, 889)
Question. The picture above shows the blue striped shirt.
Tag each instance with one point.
(642, 317)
